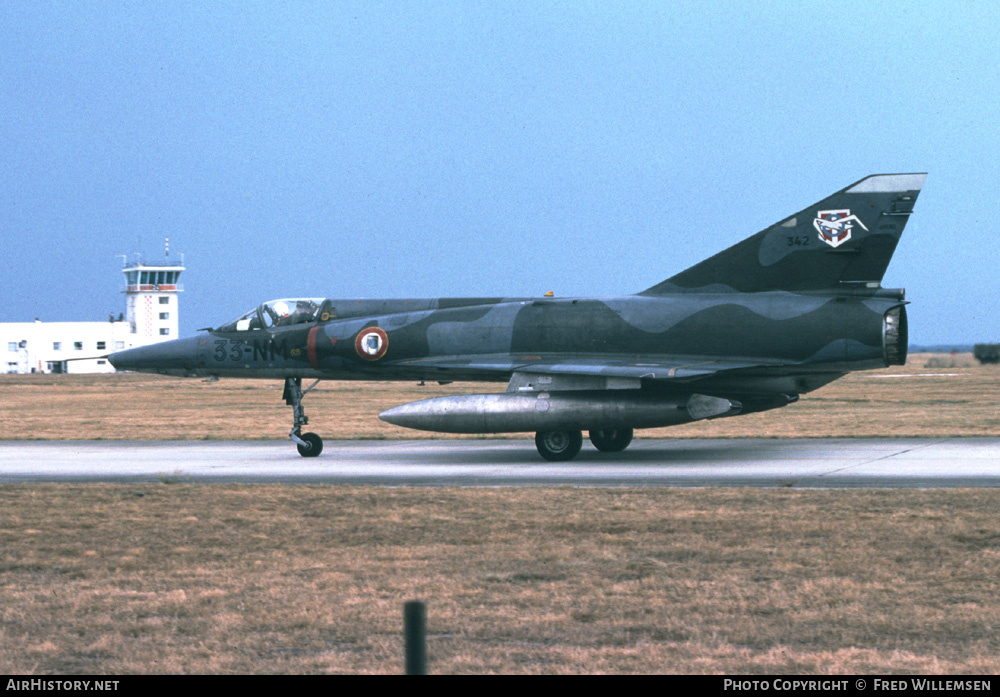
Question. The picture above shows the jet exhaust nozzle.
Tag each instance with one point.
(550, 411)
(895, 336)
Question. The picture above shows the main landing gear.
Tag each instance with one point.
(561, 446)
(309, 444)
(610, 440)
(558, 446)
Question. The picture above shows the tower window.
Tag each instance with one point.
(164, 332)
(77, 345)
(101, 345)
(164, 315)
(164, 300)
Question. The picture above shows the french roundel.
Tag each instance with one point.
(371, 344)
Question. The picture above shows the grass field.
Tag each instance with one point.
(113, 579)
(930, 396)
(180, 578)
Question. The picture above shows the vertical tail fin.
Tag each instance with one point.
(846, 240)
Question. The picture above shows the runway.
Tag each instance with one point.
(808, 463)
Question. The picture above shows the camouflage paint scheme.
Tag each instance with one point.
(779, 314)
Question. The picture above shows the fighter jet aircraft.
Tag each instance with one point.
(777, 315)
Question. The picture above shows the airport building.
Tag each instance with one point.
(151, 308)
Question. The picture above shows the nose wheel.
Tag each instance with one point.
(308, 444)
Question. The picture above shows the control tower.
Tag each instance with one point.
(151, 300)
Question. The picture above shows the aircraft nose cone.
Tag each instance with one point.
(177, 357)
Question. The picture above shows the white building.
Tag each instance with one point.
(151, 301)
(47, 347)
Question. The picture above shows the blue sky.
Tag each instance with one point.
(424, 149)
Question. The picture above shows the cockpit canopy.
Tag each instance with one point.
(277, 313)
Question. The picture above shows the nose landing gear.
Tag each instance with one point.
(309, 444)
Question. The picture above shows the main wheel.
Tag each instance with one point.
(610, 440)
(314, 447)
(558, 446)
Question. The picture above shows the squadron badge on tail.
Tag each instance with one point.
(834, 227)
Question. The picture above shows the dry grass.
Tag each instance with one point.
(139, 407)
(112, 579)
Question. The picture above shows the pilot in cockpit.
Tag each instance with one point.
(304, 311)
(282, 316)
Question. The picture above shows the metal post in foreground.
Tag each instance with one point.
(415, 633)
